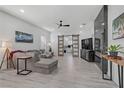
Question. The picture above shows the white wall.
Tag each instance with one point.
(86, 33)
(9, 24)
(114, 12)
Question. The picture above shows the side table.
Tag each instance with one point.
(25, 58)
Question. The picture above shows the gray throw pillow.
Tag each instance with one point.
(36, 56)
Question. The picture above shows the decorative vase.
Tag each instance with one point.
(113, 54)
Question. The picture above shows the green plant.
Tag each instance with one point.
(114, 48)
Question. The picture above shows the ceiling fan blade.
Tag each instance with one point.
(59, 26)
(66, 25)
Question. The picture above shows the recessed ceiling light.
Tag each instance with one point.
(102, 24)
(80, 32)
(97, 30)
(22, 11)
(81, 26)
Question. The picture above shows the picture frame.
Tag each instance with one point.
(23, 37)
(118, 27)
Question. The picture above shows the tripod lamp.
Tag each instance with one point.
(6, 45)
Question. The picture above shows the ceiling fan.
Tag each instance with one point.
(61, 25)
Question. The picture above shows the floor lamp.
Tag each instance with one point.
(6, 56)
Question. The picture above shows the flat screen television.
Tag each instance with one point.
(87, 44)
(23, 37)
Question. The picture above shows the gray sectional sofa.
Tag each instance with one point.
(38, 64)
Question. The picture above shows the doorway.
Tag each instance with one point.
(68, 44)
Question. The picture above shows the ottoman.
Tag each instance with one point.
(46, 65)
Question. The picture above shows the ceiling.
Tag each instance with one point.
(46, 16)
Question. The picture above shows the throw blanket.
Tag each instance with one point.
(16, 51)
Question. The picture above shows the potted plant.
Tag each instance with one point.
(114, 49)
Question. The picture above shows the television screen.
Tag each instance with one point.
(23, 37)
(87, 43)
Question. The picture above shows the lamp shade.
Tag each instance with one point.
(6, 44)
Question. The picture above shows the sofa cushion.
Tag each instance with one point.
(36, 56)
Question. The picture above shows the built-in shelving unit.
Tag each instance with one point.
(87, 51)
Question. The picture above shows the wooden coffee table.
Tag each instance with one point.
(25, 58)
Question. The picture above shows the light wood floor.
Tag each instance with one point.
(71, 73)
